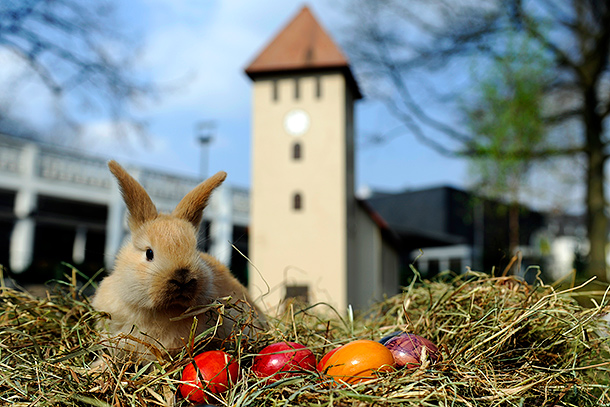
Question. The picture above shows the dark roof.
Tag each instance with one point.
(428, 214)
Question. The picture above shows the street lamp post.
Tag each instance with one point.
(204, 132)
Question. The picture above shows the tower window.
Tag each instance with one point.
(296, 151)
(297, 90)
(297, 202)
(275, 91)
(298, 293)
(318, 87)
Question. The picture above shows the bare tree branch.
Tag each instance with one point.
(573, 34)
(64, 42)
(406, 98)
(562, 116)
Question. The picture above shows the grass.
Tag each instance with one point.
(504, 343)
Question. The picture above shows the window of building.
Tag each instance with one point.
(297, 202)
(298, 293)
(434, 267)
(297, 152)
(318, 87)
(455, 265)
(239, 257)
(275, 90)
(297, 89)
(204, 238)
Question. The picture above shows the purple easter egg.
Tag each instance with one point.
(407, 350)
(388, 337)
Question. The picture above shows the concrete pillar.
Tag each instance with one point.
(22, 237)
(478, 246)
(422, 265)
(79, 246)
(115, 230)
(221, 228)
(443, 264)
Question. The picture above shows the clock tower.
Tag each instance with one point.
(302, 214)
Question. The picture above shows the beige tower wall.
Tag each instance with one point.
(307, 247)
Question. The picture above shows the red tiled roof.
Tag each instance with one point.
(302, 45)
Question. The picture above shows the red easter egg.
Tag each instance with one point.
(283, 359)
(217, 371)
(407, 350)
(357, 361)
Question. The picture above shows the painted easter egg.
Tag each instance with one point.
(388, 337)
(217, 371)
(357, 361)
(407, 350)
(283, 359)
(322, 361)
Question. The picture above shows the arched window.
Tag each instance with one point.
(298, 293)
(297, 89)
(275, 91)
(297, 152)
(297, 202)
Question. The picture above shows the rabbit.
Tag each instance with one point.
(159, 274)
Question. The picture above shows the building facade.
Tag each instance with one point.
(59, 205)
(307, 237)
(445, 228)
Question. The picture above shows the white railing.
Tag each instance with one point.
(10, 157)
(166, 186)
(73, 169)
(241, 202)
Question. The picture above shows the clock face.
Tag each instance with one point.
(296, 122)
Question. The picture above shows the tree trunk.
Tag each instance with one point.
(597, 221)
(513, 228)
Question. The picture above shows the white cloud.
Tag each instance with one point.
(199, 48)
(151, 150)
(23, 96)
(206, 58)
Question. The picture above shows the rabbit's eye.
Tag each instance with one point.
(150, 255)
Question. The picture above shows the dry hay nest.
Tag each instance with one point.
(504, 343)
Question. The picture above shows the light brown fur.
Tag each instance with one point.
(142, 295)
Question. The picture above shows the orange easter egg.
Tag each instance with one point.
(357, 361)
(322, 362)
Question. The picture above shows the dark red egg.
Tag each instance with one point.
(217, 371)
(407, 350)
(283, 359)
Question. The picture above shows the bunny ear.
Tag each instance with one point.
(191, 206)
(139, 204)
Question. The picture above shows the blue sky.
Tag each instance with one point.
(199, 49)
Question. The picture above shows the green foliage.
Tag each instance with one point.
(506, 119)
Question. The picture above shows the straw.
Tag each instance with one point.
(503, 343)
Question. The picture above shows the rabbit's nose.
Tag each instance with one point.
(181, 274)
(182, 280)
